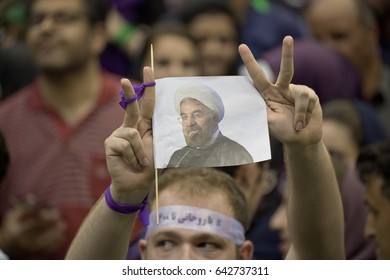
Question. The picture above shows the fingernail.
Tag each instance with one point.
(299, 126)
(145, 161)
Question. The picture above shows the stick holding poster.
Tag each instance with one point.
(155, 169)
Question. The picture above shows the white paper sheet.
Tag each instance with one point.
(244, 121)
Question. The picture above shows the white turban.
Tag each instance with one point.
(204, 94)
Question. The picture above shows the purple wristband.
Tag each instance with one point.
(129, 208)
(139, 92)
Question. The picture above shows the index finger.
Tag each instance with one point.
(257, 74)
(286, 64)
(147, 101)
(132, 109)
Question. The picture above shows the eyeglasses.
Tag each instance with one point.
(60, 17)
(196, 116)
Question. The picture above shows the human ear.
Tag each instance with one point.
(142, 245)
(215, 117)
(246, 250)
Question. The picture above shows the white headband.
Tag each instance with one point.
(200, 219)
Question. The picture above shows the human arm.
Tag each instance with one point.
(314, 209)
(105, 234)
(315, 215)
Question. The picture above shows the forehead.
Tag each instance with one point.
(192, 104)
(172, 43)
(169, 37)
(336, 128)
(188, 103)
(335, 7)
(56, 5)
(336, 134)
(334, 12)
(212, 24)
(187, 234)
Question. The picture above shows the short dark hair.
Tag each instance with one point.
(200, 7)
(96, 10)
(376, 158)
(201, 182)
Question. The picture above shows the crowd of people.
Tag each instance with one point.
(77, 171)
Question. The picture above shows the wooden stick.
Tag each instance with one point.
(155, 170)
(156, 186)
(151, 57)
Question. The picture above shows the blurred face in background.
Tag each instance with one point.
(340, 142)
(174, 56)
(61, 37)
(378, 220)
(338, 24)
(216, 36)
(278, 222)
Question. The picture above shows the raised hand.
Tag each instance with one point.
(294, 112)
(129, 149)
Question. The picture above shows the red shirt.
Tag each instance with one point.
(63, 166)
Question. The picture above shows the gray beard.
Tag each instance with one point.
(198, 140)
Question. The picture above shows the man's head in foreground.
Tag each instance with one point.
(202, 215)
(200, 109)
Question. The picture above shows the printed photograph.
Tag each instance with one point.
(209, 122)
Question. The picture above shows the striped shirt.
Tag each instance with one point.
(63, 166)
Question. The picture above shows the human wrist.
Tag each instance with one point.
(127, 208)
(124, 196)
(303, 147)
(306, 154)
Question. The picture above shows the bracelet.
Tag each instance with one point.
(129, 208)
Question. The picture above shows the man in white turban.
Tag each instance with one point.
(201, 109)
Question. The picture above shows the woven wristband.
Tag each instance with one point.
(129, 208)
